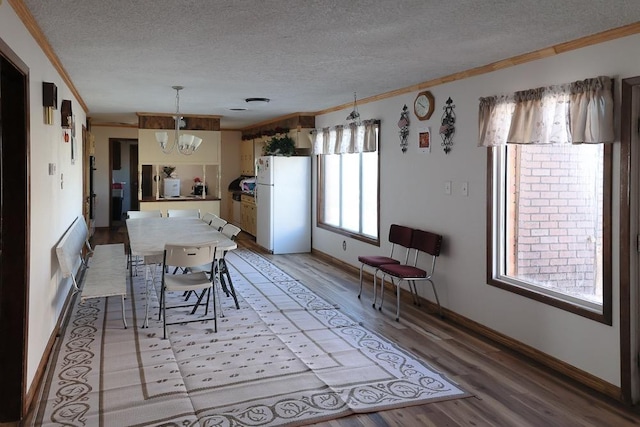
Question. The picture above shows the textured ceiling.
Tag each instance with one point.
(123, 56)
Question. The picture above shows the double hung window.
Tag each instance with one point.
(348, 185)
(549, 230)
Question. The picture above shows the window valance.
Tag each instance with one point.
(572, 113)
(342, 139)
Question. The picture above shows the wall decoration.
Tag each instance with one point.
(447, 126)
(71, 120)
(403, 124)
(424, 140)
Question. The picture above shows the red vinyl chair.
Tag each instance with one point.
(398, 235)
(422, 241)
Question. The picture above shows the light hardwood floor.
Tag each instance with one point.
(509, 389)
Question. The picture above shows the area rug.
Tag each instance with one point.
(286, 357)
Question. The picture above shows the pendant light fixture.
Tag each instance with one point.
(185, 144)
(354, 116)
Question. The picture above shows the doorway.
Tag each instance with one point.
(123, 175)
(14, 234)
(133, 178)
(630, 241)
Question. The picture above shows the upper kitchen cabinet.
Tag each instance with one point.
(247, 157)
(297, 126)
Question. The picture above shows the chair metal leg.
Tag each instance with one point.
(414, 292)
(124, 319)
(433, 286)
(398, 300)
(382, 290)
(215, 312)
(197, 304)
(374, 286)
(224, 271)
(163, 303)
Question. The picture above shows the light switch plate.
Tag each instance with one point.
(447, 187)
(464, 188)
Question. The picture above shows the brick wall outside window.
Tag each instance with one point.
(555, 217)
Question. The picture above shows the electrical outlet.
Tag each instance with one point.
(447, 187)
(464, 188)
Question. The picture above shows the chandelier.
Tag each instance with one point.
(354, 116)
(185, 144)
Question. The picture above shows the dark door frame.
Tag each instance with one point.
(14, 234)
(627, 123)
(133, 178)
(121, 142)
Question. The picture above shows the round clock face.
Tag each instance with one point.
(423, 105)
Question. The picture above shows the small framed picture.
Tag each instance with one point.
(424, 140)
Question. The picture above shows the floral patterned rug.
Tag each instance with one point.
(286, 357)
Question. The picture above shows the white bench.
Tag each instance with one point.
(104, 272)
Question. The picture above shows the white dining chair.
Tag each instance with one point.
(183, 213)
(232, 232)
(218, 223)
(208, 217)
(187, 256)
(219, 266)
(144, 214)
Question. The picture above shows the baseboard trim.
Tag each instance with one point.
(558, 366)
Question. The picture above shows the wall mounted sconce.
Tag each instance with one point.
(49, 101)
(66, 113)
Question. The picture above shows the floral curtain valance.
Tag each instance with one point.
(345, 139)
(572, 113)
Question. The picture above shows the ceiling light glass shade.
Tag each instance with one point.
(162, 138)
(185, 144)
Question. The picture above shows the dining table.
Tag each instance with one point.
(148, 237)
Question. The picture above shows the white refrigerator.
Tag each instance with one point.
(283, 201)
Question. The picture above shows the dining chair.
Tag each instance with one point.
(144, 214)
(218, 223)
(421, 242)
(137, 215)
(186, 257)
(220, 268)
(399, 235)
(208, 217)
(184, 213)
(232, 232)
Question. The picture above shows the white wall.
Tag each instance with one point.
(412, 193)
(55, 200)
(231, 141)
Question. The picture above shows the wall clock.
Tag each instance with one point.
(423, 105)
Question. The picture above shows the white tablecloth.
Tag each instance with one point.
(147, 236)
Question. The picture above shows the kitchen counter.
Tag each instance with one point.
(178, 199)
(208, 204)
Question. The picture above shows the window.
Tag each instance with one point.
(549, 221)
(348, 196)
(550, 225)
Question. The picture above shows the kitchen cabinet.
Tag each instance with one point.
(246, 158)
(250, 150)
(249, 214)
